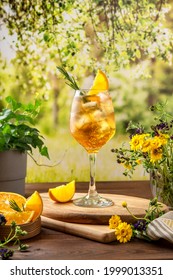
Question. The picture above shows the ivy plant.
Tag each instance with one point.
(17, 131)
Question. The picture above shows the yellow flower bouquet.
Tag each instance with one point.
(153, 149)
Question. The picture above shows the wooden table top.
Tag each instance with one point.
(55, 245)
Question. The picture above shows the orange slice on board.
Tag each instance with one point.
(34, 203)
(100, 83)
(63, 193)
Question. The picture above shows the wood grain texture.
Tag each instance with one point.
(100, 233)
(68, 212)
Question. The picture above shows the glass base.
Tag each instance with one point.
(90, 201)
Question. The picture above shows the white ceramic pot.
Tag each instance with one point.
(13, 171)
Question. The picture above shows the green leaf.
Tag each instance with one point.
(6, 114)
(16, 127)
(44, 152)
(46, 37)
(14, 104)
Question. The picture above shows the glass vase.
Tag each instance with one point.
(161, 185)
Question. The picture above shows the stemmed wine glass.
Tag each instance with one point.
(92, 124)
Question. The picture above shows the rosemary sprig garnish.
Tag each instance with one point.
(15, 206)
(70, 79)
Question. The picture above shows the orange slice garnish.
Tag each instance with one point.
(100, 83)
(34, 203)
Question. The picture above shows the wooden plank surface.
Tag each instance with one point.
(100, 233)
(69, 212)
(56, 245)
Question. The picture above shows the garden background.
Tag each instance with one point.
(131, 41)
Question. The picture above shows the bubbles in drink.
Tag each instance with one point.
(92, 121)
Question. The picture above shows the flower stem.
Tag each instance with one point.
(135, 216)
(8, 239)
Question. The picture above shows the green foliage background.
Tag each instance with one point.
(130, 40)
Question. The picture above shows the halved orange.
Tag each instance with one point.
(18, 217)
(63, 193)
(34, 203)
(100, 83)
(5, 197)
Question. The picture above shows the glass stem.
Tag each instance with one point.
(92, 185)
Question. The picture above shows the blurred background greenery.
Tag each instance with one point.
(132, 41)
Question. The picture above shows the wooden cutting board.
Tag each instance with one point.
(68, 212)
(100, 233)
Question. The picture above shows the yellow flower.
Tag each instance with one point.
(156, 154)
(114, 221)
(138, 161)
(163, 138)
(127, 165)
(124, 204)
(123, 232)
(156, 142)
(146, 146)
(137, 141)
